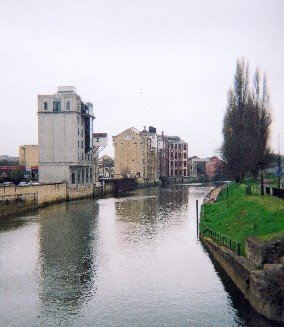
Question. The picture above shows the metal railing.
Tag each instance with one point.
(224, 240)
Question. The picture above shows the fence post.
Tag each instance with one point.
(197, 223)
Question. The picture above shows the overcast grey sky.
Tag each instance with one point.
(164, 63)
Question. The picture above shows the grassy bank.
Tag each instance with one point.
(239, 216)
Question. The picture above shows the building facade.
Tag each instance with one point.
(173, 156)
(136, 154)
(212, 167)
(28, 155)
(65, 138)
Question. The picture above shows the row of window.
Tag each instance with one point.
(56, 106)
(178, 172)
(82, 176)
(87, 157)
(178, 163)
(178, 146)
(178, 155)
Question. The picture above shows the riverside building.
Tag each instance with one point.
(65, 138)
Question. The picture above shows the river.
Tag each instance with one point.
(128, 261)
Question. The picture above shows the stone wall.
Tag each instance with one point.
(261, 252)
(264, 288)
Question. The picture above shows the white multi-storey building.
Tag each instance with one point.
(65, 138)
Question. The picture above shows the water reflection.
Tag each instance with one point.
(9, 223)
(128, 261)
(67, 259)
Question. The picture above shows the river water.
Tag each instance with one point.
(130, 261)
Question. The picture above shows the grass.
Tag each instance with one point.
(239, 216)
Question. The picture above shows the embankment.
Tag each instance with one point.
(259, 275)
(18, 199)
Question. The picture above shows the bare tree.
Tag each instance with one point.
(246, 124)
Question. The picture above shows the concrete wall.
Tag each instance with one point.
(15, 199)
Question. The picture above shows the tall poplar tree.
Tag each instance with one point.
(246, 124)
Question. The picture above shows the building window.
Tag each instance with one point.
(172, 172)
(184, 163)
(78, 144)
(83, 176)
(172, 163)
(68, 106)
(184, 156)
(184, 147)
(56, 106)
(73, 178)
(172, 155)
(175, 155)
(176, 146)
(91, 174)
(79, 177)
(82, 146)
(45, 106)
(184, 172)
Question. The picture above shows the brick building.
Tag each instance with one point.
(173, 154)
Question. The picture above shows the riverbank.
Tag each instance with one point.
(256, 222)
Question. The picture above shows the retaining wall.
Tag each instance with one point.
(262, 286)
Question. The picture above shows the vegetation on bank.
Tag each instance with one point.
(239, 216)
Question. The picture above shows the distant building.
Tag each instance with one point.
(215, 167)
(106, 166)
(28, 155)
(211, 167)
(173, 156)
(65, 136)
(136, 154)
(100, 141)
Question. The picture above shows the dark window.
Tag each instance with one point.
(184, 172)
(45, 106)
(73, 178)
(184, 147)
(68, 106)
(56, 106)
